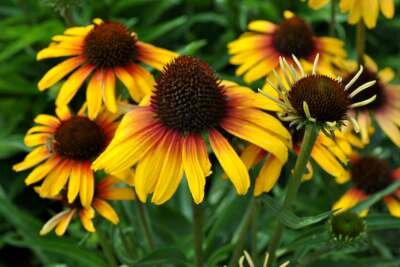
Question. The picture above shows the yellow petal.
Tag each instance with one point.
(262, 26)
(94, 95)
(193, 169)
(33, 158)
(109, 91)
(171, 172)
(53, 222)
(64, 223)
(393, 205)
(42, 170)
(230, 162)
(58, 72)
(47, 120)
(268, 175)
(105, 210)
(317, 4)
(348, 200)
(387, 8)
(72, 85)
(86, 191)
(74, 182)
(86, 215)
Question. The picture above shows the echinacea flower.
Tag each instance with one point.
(361, 9)
(107, 50)
(369, 175)
(316, 98)
(167, 138)
(385, 108)
(257, 52)
(105, 190)
(63, 150)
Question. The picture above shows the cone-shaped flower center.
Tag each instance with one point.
(188, 96)
(376, 89)
(371, 174)
(294, 37)
(326, 98)
(110, 44)
(347, 225)
(79, 138)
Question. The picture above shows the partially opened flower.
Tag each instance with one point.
(316, 98)
(167, 138)
(370, 175)
(105, 190)
(385, 108)
(257, 52)
(361, 9)
(63, 150)
(104, 50)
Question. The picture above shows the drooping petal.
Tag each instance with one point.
(64, 222)
(53, 222)
(109, 91)
(230, 162)
(59, 71)
(86, 190)
(72, 84)
(171, 172)
(74, 182)
(33, 158)
(86, 216)
(42, 170)
(268, 175)
(193, 168)
(94, 94)
(105, 210)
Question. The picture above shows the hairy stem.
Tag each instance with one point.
(310, 136)
(197, 213)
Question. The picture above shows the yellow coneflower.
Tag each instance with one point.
(104, 191)
(369, 175)
(64, 147)
(386, 107)
(316, 98)
(361, 9)
(257, 52)
(106, 50)
(167, 138)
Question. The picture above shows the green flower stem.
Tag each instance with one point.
(310, 135)
(107, 248)
(243, 232)
(197, 213)
(145, 225)
(332, 25)
(360, 41)
(254, 230)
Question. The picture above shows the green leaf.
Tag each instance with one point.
(382, 221)
(371, 200)
(11, 145)
(162, 256)
(289, 219)
(162, 29)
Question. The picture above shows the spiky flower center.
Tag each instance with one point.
(79, 138)
(376, 89)
(294, 37)
(371, 174)
(110, 44)
(188, 96)
(346, 225)
(326, 98)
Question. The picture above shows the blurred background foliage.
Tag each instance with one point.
(198, 27)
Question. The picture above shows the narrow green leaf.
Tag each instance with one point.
(162, 256)
(289, 218)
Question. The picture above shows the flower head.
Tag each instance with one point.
(370, 175)
(316, 98)
(64, 148)
(346, 226)
(105, 50)
(167, 138)
(105, 190)
(257, 52)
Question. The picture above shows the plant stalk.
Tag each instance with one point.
(243, 232)
(360, 41)
(197, 213)
(332, 25)
(145, 225)
(107, 248)
(310, 135)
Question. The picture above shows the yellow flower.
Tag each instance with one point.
(368, 10)
(369, 175)
(107, 50)
(257, 52)
(167, 138)
(104, 191)
(64, 147)
(386, 107)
